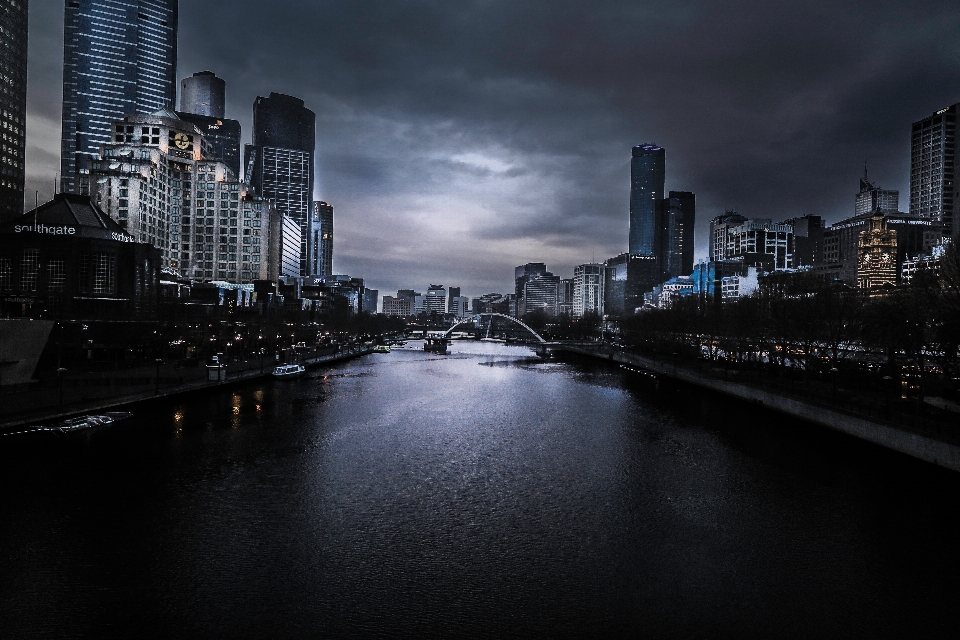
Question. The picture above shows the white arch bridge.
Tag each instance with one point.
(478, 319)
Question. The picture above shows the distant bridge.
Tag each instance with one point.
(478, 318)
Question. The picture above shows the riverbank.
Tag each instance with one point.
(94, 392)
(939, 446)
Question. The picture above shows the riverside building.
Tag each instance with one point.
(202, 98)
(119, 57)
(155, 179)
(280, 161)
(588, 289)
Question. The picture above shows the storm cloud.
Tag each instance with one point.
(459, 139)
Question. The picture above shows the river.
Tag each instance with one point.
(485, 493)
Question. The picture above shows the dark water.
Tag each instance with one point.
(480, 494)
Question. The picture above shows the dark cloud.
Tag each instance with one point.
(458, 139)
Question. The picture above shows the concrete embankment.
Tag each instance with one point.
(919, 446)
(50, 405)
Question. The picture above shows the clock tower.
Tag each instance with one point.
(877, 255)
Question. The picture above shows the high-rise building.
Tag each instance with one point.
(540, 293)
(452, 292)
(680, 249)
(203, 94)
(320, 244)
(435, 300)
(156, 182)
(13, 105)
(588, 286)
(647, 175)
(279, 163)
(565, 297)
(933, 181)
(119, 58)
(202, 101)
(872, 198)
(521, 274)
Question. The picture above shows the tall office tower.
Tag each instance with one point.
(565, 297)
(320, 243)
(933, 181)
(877, 255)
(588, 286)
(685, 238)
(436, 299)
(540, 293)
(453, 292)
(119, 58)
(13, 105)
(279, 163)
(872, 198)
(203, 94)
(202, 98)
(521, 274)
(647, 173)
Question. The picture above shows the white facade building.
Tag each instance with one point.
(588, 289)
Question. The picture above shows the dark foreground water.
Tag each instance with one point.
(479, 494)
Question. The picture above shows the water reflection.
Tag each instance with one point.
(480, 494)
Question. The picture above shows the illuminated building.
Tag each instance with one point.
(119, 57)
(13, 105)
(933, 185)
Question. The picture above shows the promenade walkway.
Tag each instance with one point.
(73, 393)
(932, 437)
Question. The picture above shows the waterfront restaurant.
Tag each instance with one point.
(68, 260)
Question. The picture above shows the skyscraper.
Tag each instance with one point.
(202, 98)
(320, 244)
(119, 58)
(647, 174)
(683, 239)
(13, 105)
(203, 94)
(933, 184)
(872, 198)
(279, 163)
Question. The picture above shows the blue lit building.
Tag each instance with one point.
(119, 58)
(647, 174)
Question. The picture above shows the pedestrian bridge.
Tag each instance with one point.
(478, 320)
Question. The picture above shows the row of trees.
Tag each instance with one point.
(800, 323)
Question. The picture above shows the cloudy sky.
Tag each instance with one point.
(457, 140)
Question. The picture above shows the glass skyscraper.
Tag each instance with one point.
(119, 58)
(279, 163)
(934, 193)
(13, 105)
(647, 173)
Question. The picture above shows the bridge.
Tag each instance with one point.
(478, 319)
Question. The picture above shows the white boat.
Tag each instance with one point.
(289, 371)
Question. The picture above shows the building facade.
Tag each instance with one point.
(155, 181)
(119, 58)
(68, 259)
(279, 163)
(933, 181)
(872, 198)
(588, 289)
(540, 293)
(647, 175)
(13, 105)
(320, 244)
(877, 256)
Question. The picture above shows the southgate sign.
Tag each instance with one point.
(49, 230)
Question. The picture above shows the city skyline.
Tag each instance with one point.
(455, 149)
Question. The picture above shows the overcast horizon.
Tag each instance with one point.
(458, 140)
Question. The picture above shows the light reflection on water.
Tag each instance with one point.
(480, 494)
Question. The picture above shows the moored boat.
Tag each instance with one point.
(381, 348)
(285, 371)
